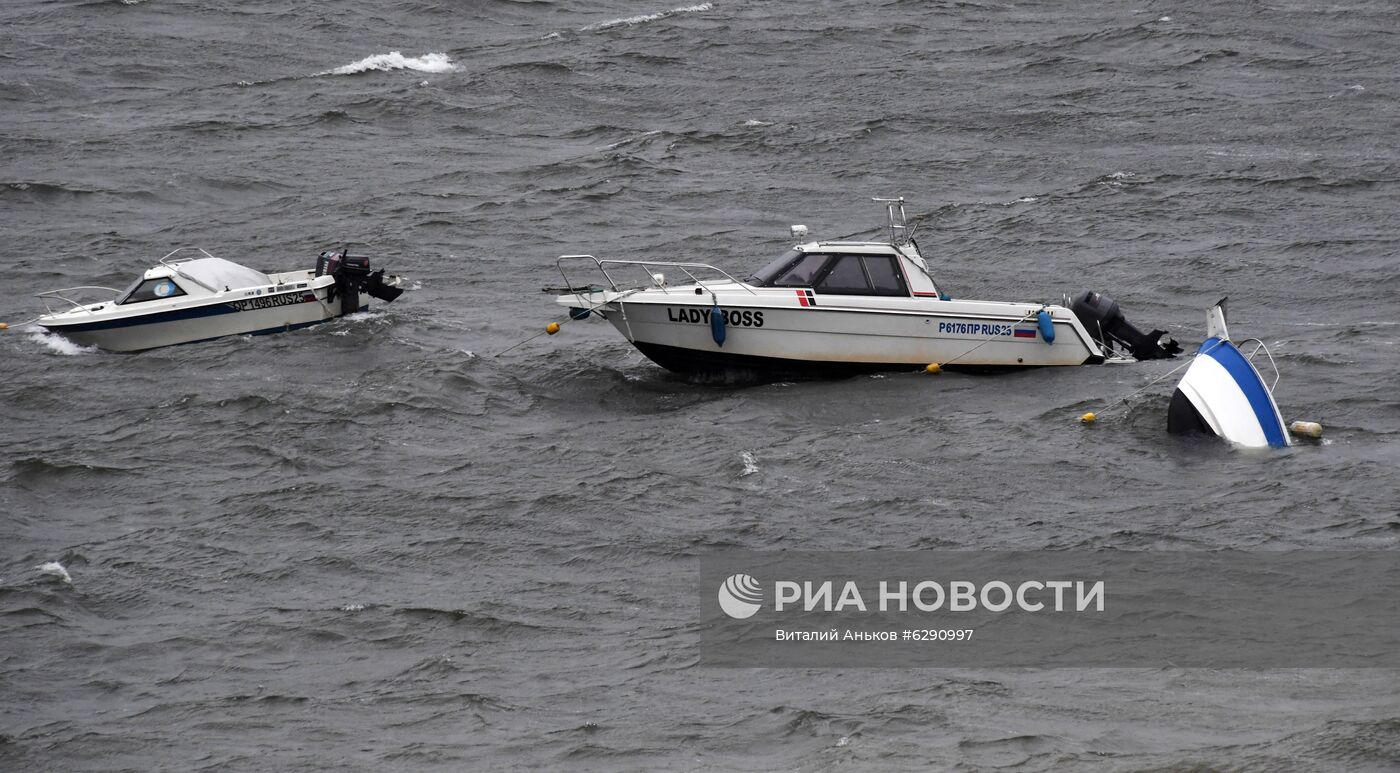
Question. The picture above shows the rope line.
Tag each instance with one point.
(1154, 381)
(567, 318)
(27, 322)
(989, 339)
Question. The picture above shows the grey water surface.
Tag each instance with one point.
(374, 545)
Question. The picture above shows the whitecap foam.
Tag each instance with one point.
(632, 21)
(634, 138)
(750, 464)
(58, 344)
(396, 61)
(55, 569)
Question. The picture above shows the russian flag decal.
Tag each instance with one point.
(1024, 332)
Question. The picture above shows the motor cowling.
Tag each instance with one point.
(353, 275)
(1104, 320)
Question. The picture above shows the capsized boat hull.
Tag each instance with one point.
(1222, 394)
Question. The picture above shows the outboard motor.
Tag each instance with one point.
(353, 275)
(376, 287)
(1103, 319)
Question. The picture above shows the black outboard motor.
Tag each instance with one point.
(1103, 319)
(376, 288)
(352, 275)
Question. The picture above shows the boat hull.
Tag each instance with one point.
(726, 367)
(257, 315)
(834, 339)
(1222, 394)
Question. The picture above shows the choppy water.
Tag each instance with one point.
(374, 545)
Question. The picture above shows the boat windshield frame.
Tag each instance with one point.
(775, 268)
(128, 295)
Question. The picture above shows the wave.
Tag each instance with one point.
(58, 344)
(395, 60)
(632, 21)
(750, 464)
(43, 190)
(34, 467)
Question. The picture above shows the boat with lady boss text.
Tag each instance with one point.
(839, 307)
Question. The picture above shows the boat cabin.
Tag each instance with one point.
(202, 276)
(849, 268)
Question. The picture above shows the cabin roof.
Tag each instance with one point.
(217, 273)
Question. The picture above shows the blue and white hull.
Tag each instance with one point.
(1222, 394)
(188, 299)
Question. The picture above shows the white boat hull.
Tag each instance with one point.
(1222, 394)
(236, 313)
(759, 334)
(843, 306)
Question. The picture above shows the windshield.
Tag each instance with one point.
(151, 290)
(794, 269)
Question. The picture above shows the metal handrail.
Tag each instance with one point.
(169, 261)
(57, 295)
(1259, 345)
(174, 264)
(896, 220)
(647, 265)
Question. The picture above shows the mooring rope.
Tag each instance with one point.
(554, 327)
(1092, 415)
(9, 325)
(990, 338)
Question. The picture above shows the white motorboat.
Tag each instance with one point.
(1223, 394)
(841, 307)
(191, 296)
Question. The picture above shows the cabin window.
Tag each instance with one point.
(884, 275)
(845, 277)
(862, 275)
(764, 276)
(153, 290)
(837, 274)
(800, 273)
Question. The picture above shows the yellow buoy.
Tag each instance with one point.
(552, 328)
(1306, 428)
(933, 368)
(1089, 418)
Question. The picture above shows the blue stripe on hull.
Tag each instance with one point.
(176, 315)
(1249, 382)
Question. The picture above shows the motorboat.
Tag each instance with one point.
(1223, 394)
(838, 307)
(190, 295)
